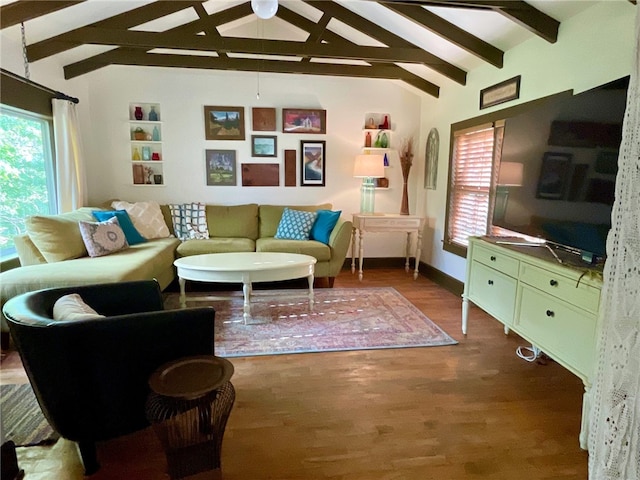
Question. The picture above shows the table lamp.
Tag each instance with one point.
(368, 167)
(510, 175)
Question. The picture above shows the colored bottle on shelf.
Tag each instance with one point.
(384, 141)
(367, 140)
(136, 154)
(376, 144)
(386, 160)
(156, 134)
(153, 115)
(385, 124)
(155, 156)
(139, 114)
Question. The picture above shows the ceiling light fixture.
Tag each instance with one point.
(264, 9)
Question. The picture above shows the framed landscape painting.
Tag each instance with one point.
(299, 120)
(224, 123)
(264, 146)
(312, 163)
(221, 167)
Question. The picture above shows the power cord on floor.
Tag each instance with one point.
(530, 354)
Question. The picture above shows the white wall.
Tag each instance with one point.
(593, 48)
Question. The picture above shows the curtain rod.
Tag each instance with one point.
(56, 94)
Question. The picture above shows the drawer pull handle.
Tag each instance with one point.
(553, 283)
(550, 313)
(490, 282)
(493, 258)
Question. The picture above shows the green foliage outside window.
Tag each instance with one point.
(24, 156)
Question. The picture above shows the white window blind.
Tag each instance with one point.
(473, 175)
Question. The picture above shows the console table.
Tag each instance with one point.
(385, 222)
(543, 296)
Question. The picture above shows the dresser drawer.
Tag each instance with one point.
(568, 289)
(496, 259)
(562, 331)
(493, 291)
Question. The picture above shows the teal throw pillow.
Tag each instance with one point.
(130, 232)
(322, 228)
(295, 225)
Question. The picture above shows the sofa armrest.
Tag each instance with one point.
(339, 242)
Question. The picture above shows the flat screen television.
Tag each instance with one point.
(565, 152)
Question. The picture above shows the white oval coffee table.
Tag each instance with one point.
(245, 268)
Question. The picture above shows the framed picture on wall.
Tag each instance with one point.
(312, 163)
(224, 123)
(221, 167)
(264, 146)
(554, 175)
(300, 120)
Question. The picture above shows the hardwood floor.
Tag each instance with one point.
(468, 411)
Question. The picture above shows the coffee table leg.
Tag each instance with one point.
(183, 297)
(310, 279)
(246, 290)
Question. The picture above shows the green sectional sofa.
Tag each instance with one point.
(234, 228)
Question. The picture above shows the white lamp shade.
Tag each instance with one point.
(371, 166)
(510, 174)
(264, 9)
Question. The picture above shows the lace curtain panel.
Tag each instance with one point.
(614, 439)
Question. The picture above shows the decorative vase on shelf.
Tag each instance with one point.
(153, 115)
(367, 140)
(139, 114)
(156, 134)
(384, 141)
(385, 124)
(386, 160)
(136, 154)
(376, 144)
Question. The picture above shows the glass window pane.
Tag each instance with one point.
(26, 180)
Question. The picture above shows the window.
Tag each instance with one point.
(475, 159)
(26, 172)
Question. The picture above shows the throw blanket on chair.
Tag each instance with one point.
(189, 220)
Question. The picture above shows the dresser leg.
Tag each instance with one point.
(465, 314)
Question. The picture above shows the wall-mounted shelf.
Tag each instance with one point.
(145, 139)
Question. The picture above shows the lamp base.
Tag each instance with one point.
(367, 195)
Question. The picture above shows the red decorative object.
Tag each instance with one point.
(155, 156)
(138, 113)
(385, 124)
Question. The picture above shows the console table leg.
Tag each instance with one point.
(354, 233)
(360, 253)
(183, 297)
(418, 253)
(407, 253)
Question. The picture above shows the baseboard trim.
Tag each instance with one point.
(448, 282)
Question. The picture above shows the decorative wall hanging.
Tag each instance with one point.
(264, 146)
(500, 93)
(431, 160)
(312, 163)
(304, 120)
(260, 175)
(263, 119)
(224, 123)
(221, 167)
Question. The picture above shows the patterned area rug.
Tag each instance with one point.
(341, 319)
(22, 419)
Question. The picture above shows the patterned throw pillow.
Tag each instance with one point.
(146, 217)
(295, 224)
(133, 236)
(103, 238)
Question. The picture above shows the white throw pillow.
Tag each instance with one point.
(72, 307)
(146, 217)
(103, 238)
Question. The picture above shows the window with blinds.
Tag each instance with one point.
(474, 169)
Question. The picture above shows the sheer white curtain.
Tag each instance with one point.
(614, 440)
(70, 176)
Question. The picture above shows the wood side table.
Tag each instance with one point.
(385, 222)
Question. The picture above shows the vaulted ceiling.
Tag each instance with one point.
(425, 43)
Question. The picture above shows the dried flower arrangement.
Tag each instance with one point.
(406, 160)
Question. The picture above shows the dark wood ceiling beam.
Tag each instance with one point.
(388, 72)
(18, 12)
(210, 30)
(450, 32)
(390, 39)
(102, 60)
(150, 40)
(131, 18)
(333, 38)
(315, 36)
(517, 11)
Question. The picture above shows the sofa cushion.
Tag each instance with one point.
(58, 236)
(215, 245)
(146, 217)
(133, 236)
(270, 216)
(319, 250)
(295, 225)
(233, 221)
(28, 253)
(103, 238)
(72, 307)
(323, 226)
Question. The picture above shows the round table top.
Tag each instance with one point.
(244, 261)
(191, 377)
